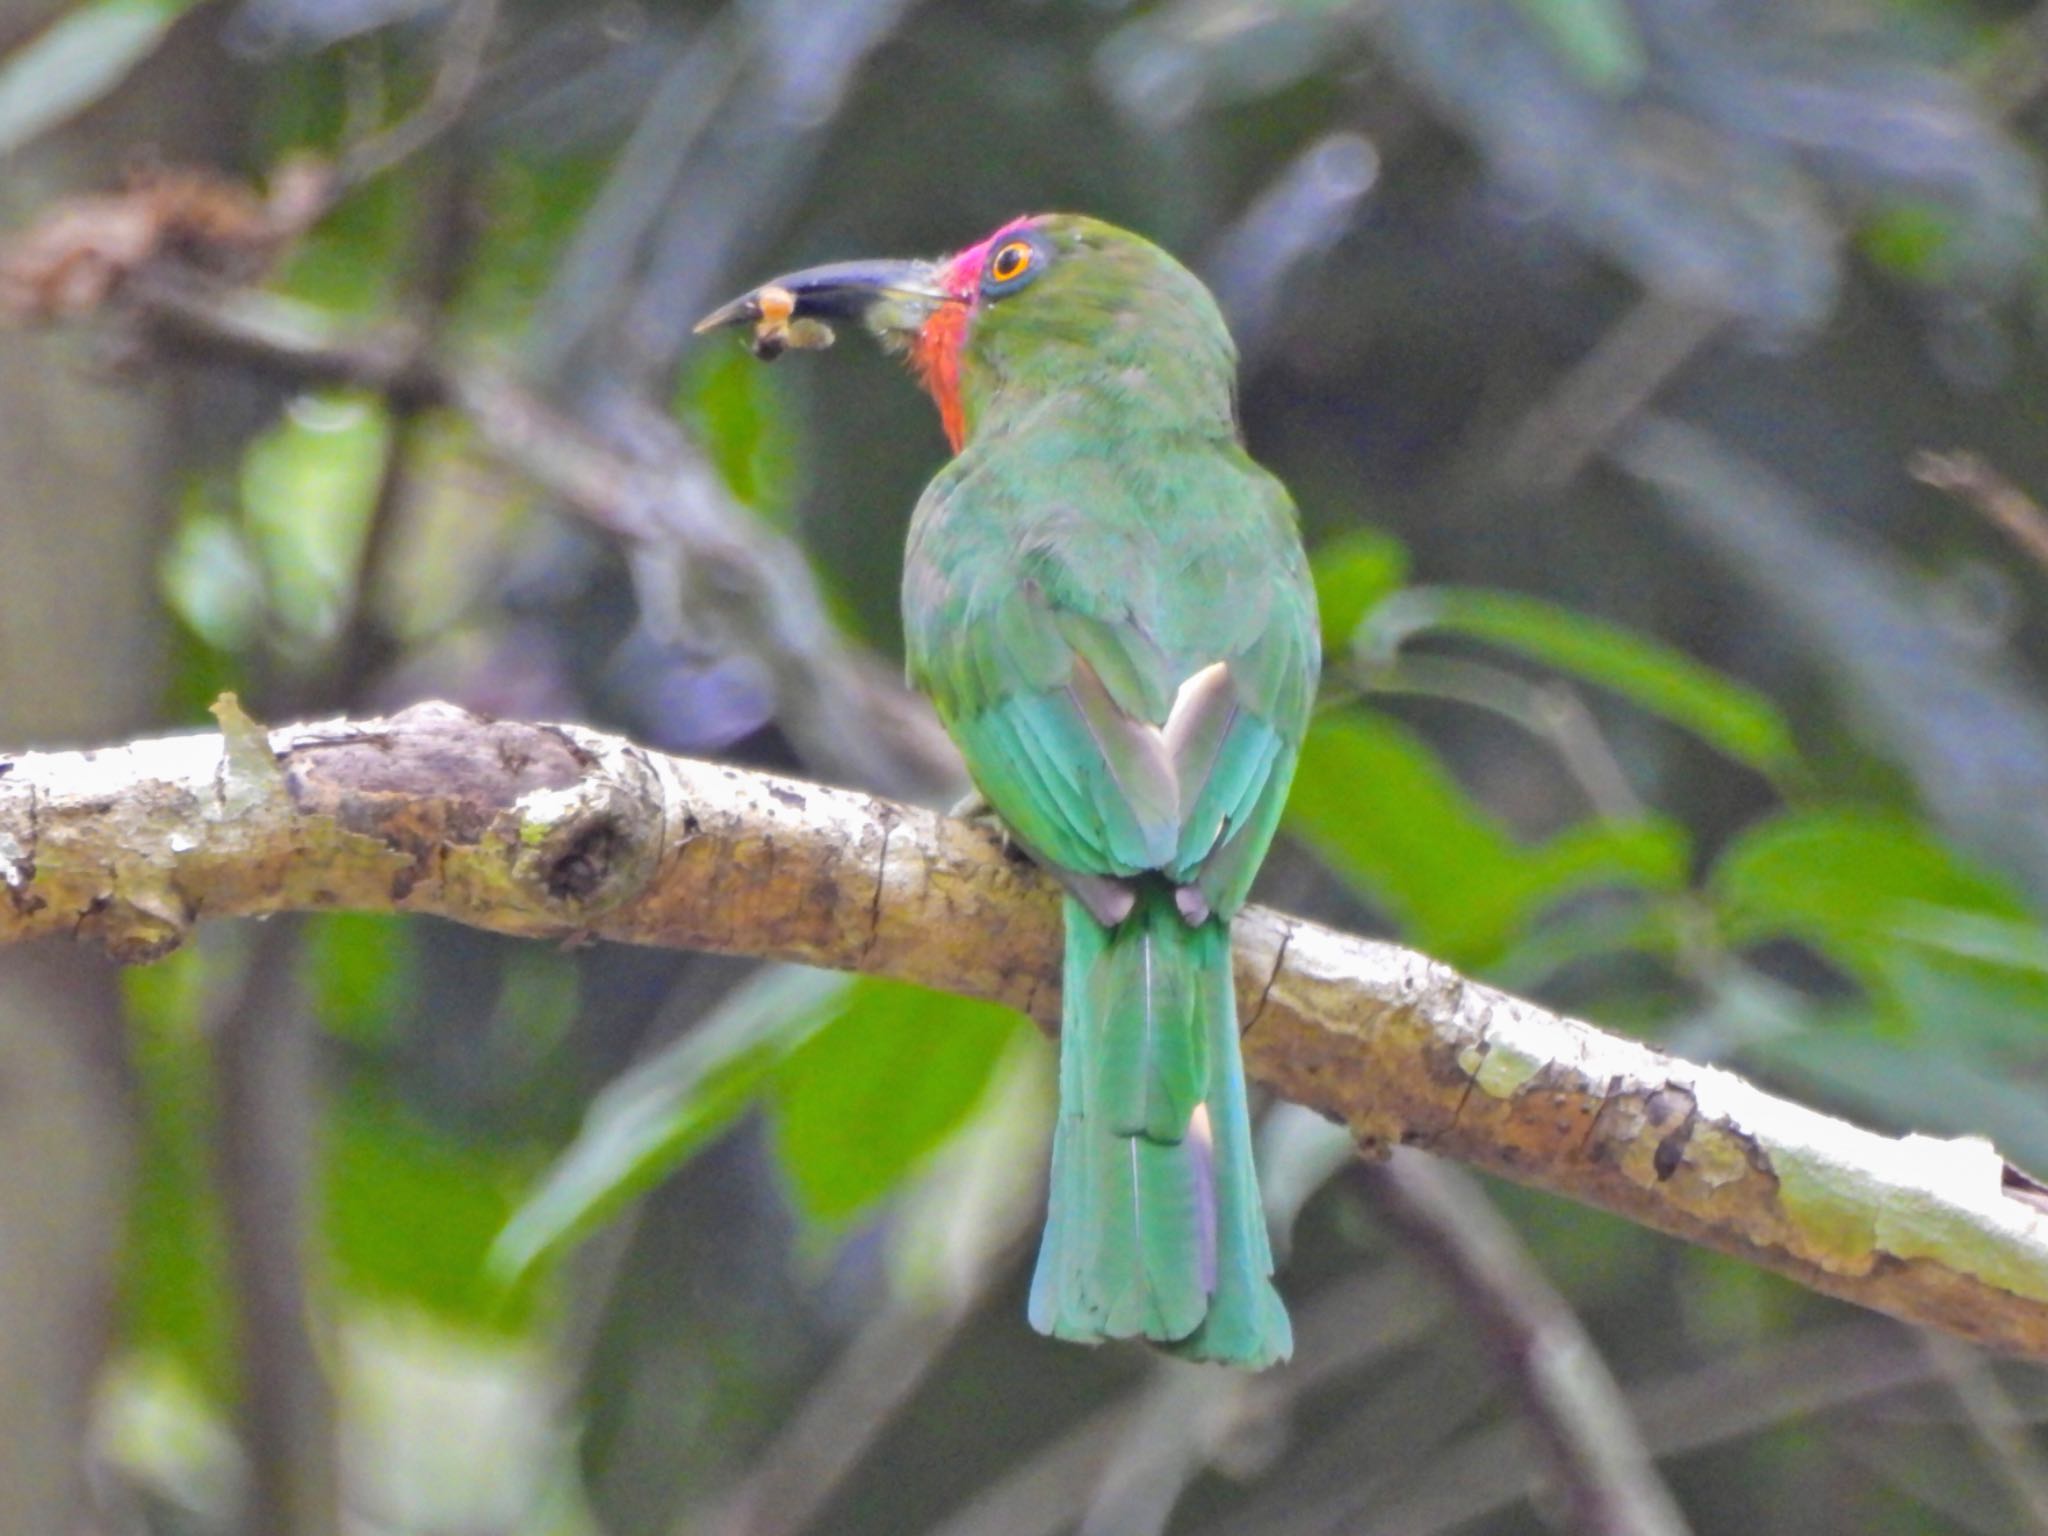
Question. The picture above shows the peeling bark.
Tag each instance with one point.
(564, 833)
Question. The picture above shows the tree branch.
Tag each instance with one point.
(564, 833)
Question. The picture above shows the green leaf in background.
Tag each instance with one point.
(1354, 574)
(1596, 37)
(533, 199)
(649, 1121)
(983, 1188)
(358, 969)
(1614, 929)
(75, 60)
(1846, 875)
(736, 411)
(2019, 945)
(864, 1077)
(459, 515)
(198, 674)
(1736, 720)
(174, 1270)
(1911, 240)
(410, 1213)
(1383, 810)
(349, 263)
(861, 1102)
(162, 1433)
(211, 578)
(1932, 937)
(308, 488)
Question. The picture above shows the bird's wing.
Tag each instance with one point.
(1041, 702)
(1234, 771)
(1123, 705)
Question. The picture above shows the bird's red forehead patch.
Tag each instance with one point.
(935, 355)
(963, 272)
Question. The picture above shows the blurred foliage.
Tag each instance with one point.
(863, 1079)
(78, 58)
(1886, 902)
(1737, 720)
(173, 1299)
(859, 1103)
(1386, 812)
(1598, 37)
(1731, 736)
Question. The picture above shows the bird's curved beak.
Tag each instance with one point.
(893, 299)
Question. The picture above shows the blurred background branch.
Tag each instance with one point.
(860, 723)
(1599, 1468)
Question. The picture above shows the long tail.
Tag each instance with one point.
(1154, 1228)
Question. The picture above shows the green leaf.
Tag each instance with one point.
(1651, 854)
(861, 1102)
(2018, 945)
(984, 1188)
(196, 675)
(1735, 719)
(644, 1125)
(1354, 574)
(1911, 240)
(344, 265)
(76, 60)
(409, 1213)
(308, 488)
(212, 581)
(174, 1281)
(1380, 806)
(358, 970)
(1596, 37)
(1847, 875)
(1932, 937)
(734, 407)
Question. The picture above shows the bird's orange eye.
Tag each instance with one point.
(1011, 262)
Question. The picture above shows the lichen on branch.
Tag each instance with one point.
(560, 832)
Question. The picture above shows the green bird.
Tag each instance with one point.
(1106, 600)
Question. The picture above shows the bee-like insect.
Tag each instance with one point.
(775, 331)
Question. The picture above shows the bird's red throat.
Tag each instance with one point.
(935, 354)
(935, 358)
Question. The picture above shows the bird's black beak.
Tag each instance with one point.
(892, 299)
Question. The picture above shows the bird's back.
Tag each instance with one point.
(1175, 539)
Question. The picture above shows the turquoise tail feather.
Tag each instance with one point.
(1154, 1227)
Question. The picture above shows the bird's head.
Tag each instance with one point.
(1050, 303)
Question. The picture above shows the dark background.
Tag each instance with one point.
(1595, 339)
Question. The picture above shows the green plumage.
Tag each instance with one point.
(1108, 603)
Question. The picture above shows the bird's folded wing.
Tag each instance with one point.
(1098, 758)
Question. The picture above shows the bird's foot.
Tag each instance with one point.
(973, 806)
